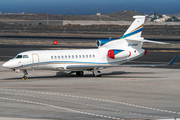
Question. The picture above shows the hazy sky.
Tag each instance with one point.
(89, 6)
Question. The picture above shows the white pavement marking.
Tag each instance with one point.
(96, 99)
(62, 108)
(84, 104)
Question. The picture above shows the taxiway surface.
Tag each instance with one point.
(121, 93)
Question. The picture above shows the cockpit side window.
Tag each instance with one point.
(18, 56)
(25, 56)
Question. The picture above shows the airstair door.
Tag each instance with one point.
(35, 61)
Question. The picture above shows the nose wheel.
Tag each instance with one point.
(25, 73)
(25, 78)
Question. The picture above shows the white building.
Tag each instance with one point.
(165, 17)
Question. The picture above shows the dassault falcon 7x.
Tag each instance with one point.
(110, 53)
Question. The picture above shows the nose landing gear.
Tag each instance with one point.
(25, 73)
(96, 73)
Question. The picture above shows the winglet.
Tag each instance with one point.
(172, 61)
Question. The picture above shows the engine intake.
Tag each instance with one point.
(102, 42)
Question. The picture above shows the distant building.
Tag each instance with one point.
(152, 16)
(98, 14)
(165, 17)
(160, 20)
(148, 18)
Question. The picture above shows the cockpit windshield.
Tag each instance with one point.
(21, 56)
(18, 56)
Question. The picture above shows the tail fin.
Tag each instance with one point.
(131, 38)
(135, 29)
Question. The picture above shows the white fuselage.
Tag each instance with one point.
(60, 59)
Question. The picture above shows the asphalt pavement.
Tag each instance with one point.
(121, 93)
(128, 93)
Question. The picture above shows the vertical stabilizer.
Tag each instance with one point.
(131, 38)
(135, 30)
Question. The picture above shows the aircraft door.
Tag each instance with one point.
(35, 61)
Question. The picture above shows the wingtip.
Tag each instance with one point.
(172, 61)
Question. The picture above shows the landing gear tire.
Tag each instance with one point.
(79, 73)
(25, 73)
(25, 78)
(98, 76)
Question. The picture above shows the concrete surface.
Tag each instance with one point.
(82, 22)
(121, 93)
(35, 22)
(89, 22)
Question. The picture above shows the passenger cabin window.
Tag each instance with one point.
(25, 56)
(18, 56)
(62, 57)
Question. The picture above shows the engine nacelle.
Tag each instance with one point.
(102, 42)
(118, 54)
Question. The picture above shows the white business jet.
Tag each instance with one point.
(110, 53)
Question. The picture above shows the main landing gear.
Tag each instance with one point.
(79, 73)
(25, 73)
(95, 72)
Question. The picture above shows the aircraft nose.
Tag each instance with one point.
(6, 65)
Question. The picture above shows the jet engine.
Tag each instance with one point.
(118, 54)
(102, 42)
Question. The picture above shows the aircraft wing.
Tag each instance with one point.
(82, 67)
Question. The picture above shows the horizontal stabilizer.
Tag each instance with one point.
(151, 41)
(144, 40)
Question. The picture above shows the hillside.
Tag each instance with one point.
(176, 15)
(116, 16)
(124, 15)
